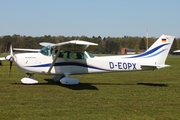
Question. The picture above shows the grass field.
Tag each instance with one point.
(146, 95)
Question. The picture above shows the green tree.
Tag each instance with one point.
(174, 46)
(142, 45)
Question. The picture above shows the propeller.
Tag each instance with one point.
(9, 58)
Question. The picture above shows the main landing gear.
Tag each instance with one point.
(66, 80)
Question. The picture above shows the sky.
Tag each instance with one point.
(113, 18)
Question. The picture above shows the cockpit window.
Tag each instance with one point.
(46, 51)
(64, 54)
(78, 55)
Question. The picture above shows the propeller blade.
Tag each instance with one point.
(10, 66)
(11, 58)
(11, 50)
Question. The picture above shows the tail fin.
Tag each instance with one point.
(159, 51)
(156, 55)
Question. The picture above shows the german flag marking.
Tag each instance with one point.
(163, 40)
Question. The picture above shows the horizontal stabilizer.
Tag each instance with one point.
(153, 67)
(3, 58)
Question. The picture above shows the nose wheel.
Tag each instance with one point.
(29, 80)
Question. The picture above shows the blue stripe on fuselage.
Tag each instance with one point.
(68, 64)
(149, 52)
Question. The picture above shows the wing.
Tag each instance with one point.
(46, 44)
(74, 45)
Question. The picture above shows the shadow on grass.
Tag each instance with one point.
(146, 84)
(91, 86)
(80, 86)
(111, 84)
(153, 84)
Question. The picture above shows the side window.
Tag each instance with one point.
(78, 55)
(64, 54)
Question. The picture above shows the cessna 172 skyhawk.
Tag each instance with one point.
(68, 58)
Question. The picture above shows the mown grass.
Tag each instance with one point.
(146, 95)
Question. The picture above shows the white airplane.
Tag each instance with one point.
(69, 58)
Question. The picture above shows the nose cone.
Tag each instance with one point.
(9, 57)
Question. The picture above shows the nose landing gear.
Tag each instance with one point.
(29, 80)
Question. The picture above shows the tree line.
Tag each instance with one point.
(106, 45)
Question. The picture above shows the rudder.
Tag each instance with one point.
(159, 51)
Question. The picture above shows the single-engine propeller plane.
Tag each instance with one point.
(69, 58)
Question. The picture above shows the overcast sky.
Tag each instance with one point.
(114, 18)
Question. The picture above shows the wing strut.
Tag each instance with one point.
(50, 68)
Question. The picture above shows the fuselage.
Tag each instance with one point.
(40, 63)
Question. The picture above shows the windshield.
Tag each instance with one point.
(91, 55)
(46, 51)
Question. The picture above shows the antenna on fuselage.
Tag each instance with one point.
(147, 38)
